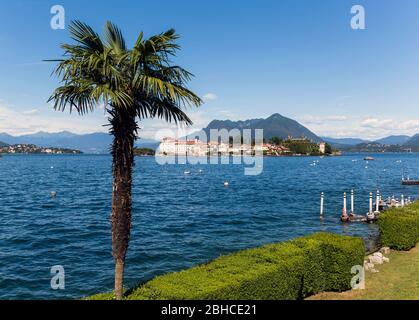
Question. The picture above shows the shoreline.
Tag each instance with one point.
(343, 252)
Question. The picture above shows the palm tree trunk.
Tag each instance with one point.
(124, 131)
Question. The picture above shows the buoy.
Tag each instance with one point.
(53, 194)
(226, 184)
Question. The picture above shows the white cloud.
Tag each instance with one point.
(17, 122)
(152, 128)
(310, 119)
(30, 112)
(209, 97)
(367, 127)
(386, 124)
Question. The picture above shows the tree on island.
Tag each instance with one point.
(328, 149)
(276, 141)
(132, 84)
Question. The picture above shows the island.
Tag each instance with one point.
(144, 152)
(275, 147)
(33, 149)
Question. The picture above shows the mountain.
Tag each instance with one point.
(147, 143)
(42, 139)
(413, 142)
(394, 143)
(343, 141)
(394, 140)
(93, 143)
(2, 144)
(374, 147)
(274, 126)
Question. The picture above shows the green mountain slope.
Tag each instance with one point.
(274, 126)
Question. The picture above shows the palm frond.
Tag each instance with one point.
(114, 37)
(85, 36)
(96, 71)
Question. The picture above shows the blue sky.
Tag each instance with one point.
(251, 59)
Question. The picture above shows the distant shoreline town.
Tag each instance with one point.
(33, 149)
(274, 147)
(274, 126)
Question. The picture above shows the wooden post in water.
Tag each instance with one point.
(377, 204)
(321, 204)
(352, 201)
(344, 204)
(344, 217)
(370, 202)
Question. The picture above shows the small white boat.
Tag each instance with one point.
(187, 173)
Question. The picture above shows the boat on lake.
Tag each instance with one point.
(369, 159)
(409, 182)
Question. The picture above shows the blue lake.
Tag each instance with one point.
(178, 220)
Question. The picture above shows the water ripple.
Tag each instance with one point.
(178, 221)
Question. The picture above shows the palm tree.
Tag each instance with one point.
(132, 85)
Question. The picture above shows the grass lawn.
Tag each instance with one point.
(397, 280)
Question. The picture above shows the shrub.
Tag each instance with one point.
(399, 227)
(285, 271)
(329, 259)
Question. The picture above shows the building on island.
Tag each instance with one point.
(322, 147)
(183, 147)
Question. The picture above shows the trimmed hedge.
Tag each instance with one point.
(399, 227)
(285, 271)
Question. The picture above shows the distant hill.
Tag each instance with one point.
(394, 140)
(374, 147)
(2, 144)
(93, 143)
(377, 147)
(344, 141)
(395, 143)
(413, 142)
(87, 143)
(274, 126)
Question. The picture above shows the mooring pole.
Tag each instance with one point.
(321, 204)
(352, 201)
(402, 200)
(377, 204)
(344, 203)
(370, 202)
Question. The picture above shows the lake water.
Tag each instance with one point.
(178, 221)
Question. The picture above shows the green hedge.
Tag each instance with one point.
(399, 227)
(285, 271)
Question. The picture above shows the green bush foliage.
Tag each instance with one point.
(399, 227)
(285, 271)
